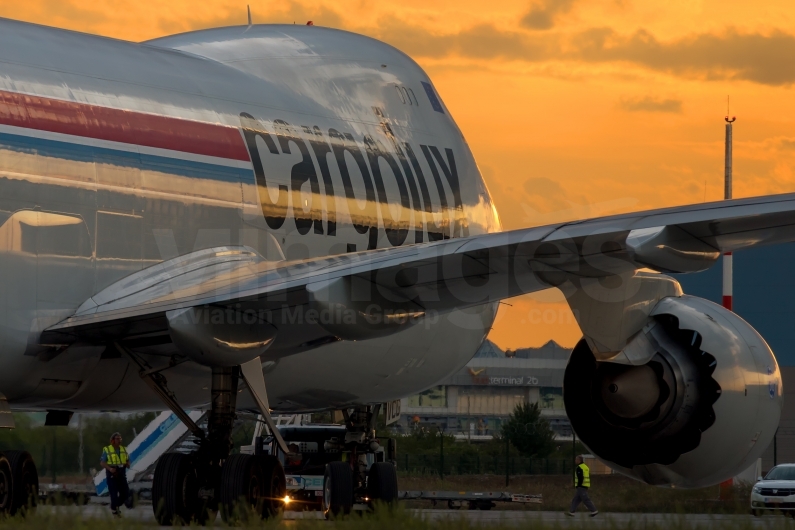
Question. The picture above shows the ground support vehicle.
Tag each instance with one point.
(474, 500)
(336, 468)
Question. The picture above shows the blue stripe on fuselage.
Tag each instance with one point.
(102, 155)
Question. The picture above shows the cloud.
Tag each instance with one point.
(69, 11)
(758, 57)
(285, 13)
(479, 42)
(764, 58)
(534, 217)
(544, 187)
(544, 16)
(650, 104)
(65, 14)
(543, 195)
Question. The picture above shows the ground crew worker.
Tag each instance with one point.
(582, 482)
(115, 460)
(294, 456)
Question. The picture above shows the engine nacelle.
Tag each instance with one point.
(694, 399)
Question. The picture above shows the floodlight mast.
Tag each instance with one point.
(727, 194)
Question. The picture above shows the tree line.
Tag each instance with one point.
(57, 450)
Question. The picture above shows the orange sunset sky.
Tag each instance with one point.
(573, 109)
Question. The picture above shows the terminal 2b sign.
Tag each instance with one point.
(506, 380)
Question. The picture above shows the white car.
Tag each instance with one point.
(776, 491)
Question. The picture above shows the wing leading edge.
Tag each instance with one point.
(387, 289)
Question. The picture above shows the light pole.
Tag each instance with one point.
(573, 455)
(727, 194)
(441, 453)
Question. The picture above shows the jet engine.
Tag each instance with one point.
(693, 399)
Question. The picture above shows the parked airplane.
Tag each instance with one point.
(295, 206)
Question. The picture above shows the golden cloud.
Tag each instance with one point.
(650, 104)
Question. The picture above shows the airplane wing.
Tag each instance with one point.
(397, 284)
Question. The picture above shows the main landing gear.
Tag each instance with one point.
(19, 483)
(366, 475)
(194, 487)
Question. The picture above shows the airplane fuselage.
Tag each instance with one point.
(299, 142)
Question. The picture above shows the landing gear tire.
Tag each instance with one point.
(25, 481)
(251, 485)
(382, 484)
(276, 483)
(6, 485)
(337, 489)
(175, 492)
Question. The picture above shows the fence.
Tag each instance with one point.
(480, 465)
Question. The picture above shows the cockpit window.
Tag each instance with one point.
(406, 92)
(432, 97)
(400, 93)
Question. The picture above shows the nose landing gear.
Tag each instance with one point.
(338, 489)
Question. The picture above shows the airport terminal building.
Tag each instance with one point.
(475, 401)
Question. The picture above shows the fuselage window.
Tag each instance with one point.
(414, 97)
(400, 94)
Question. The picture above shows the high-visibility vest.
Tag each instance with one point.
(116, 459)
(586, 476)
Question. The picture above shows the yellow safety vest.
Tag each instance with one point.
(586, 476)
(116, 459)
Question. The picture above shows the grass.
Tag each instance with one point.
(610, 493)
(401, 519)
(613, 493)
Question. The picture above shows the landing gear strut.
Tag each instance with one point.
(186, 487)
(193, 487)
(366, 477)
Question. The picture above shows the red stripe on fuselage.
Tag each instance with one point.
(124, 126)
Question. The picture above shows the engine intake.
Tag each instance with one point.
(693, 400)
